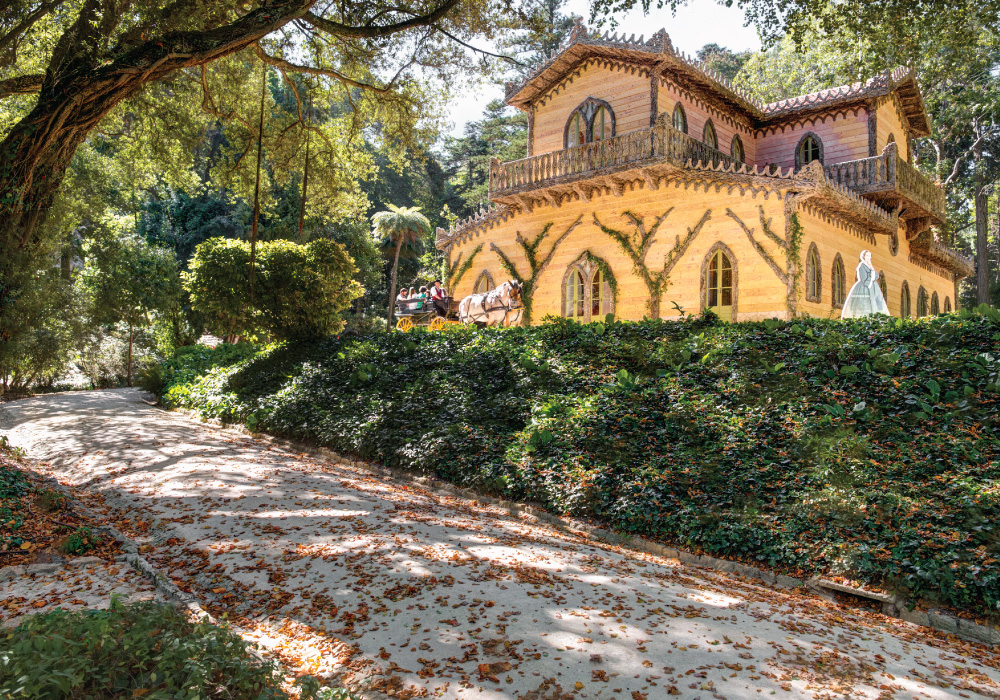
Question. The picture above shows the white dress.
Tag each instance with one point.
(865, 297)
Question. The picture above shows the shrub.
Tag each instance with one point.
(866, 448)
(80, 541)
(145, 650)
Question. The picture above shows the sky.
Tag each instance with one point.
(696, 24)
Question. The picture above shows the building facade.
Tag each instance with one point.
(652, 187)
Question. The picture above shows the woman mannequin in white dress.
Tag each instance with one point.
(865, 297)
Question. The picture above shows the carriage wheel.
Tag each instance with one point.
(438, 324)
(404, 324)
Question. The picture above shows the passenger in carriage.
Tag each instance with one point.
(404, 295)
(422, 294)
(439, 296)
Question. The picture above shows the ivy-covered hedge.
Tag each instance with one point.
(869, 448)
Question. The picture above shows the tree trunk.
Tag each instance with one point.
(392, 286)
(128, 370)
(982, 225)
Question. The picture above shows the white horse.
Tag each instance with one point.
(500, 306)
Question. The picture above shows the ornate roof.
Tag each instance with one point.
(658, 53)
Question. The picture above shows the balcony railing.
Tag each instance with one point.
(657, 143)
(889, 173)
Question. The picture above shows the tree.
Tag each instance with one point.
(81, 63)
(546, 28)
(897, 32)
(723, 61)
(398, 225)
(126, 280)
(300, 290)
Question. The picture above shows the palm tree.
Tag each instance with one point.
(398, 225)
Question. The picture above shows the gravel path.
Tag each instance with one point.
(393, 588)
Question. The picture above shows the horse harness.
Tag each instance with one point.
(490, 297)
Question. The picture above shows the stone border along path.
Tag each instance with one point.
(392, 587)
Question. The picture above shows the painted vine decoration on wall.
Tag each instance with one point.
(536, 266)
(453, 274)
(637, 245)
(790, 245)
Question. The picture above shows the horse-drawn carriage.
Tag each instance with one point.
(412, 313)
(498, 307)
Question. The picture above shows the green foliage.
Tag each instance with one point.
(80, 541)
(867, 448)
(14, 485)
(300, 291)
(146, 650)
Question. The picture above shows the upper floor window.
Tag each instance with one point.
(680, 119)
(709, 136)
(810, 148)
(593, 120)
(736, 150)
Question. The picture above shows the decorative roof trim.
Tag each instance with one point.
(658, 51)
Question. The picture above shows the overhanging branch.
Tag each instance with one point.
(21, 85)
(373, 32)
(283, 65)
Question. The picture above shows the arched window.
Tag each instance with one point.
(600, 295)
(719, 282)
(592, 120)
(680, 118)
(587, 294)
(838, 288)
(904, 300)
(574, 295)
(709, 137)
(814, 281)
(736, 150)
(883, 286)
(921, 302)
(935, 305)
(484, 283)
(810, 148)
(947, 305)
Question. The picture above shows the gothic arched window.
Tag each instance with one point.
(810, 148)
(593, 120)
(736, 150)
(680, 118)
(839, 283)
(709, 136)
(814, 276)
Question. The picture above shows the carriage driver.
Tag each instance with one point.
(439, 295)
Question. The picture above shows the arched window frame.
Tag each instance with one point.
(709, 136)
(947, 305)
(799, 160)
(484, 277)
(679, 118)
(922, 300)
(737, 151)
(883, 285)
(588, 271)
(904, 300)
(935, 304)
(838, 274)
(814, 275)
(706, 261)
(587, 110)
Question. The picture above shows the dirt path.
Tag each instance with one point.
(419, 595)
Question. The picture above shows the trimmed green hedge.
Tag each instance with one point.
(868, 448)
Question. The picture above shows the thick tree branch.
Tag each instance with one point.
(373, 32)
(21, 85)
(283, 65)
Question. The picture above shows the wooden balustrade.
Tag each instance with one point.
(888, 172)
(657, 142)
(882, 173)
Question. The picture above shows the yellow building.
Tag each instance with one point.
(651, 184)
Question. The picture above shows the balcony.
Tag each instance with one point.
(594, 165)
(891, 181)
(886, 180)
